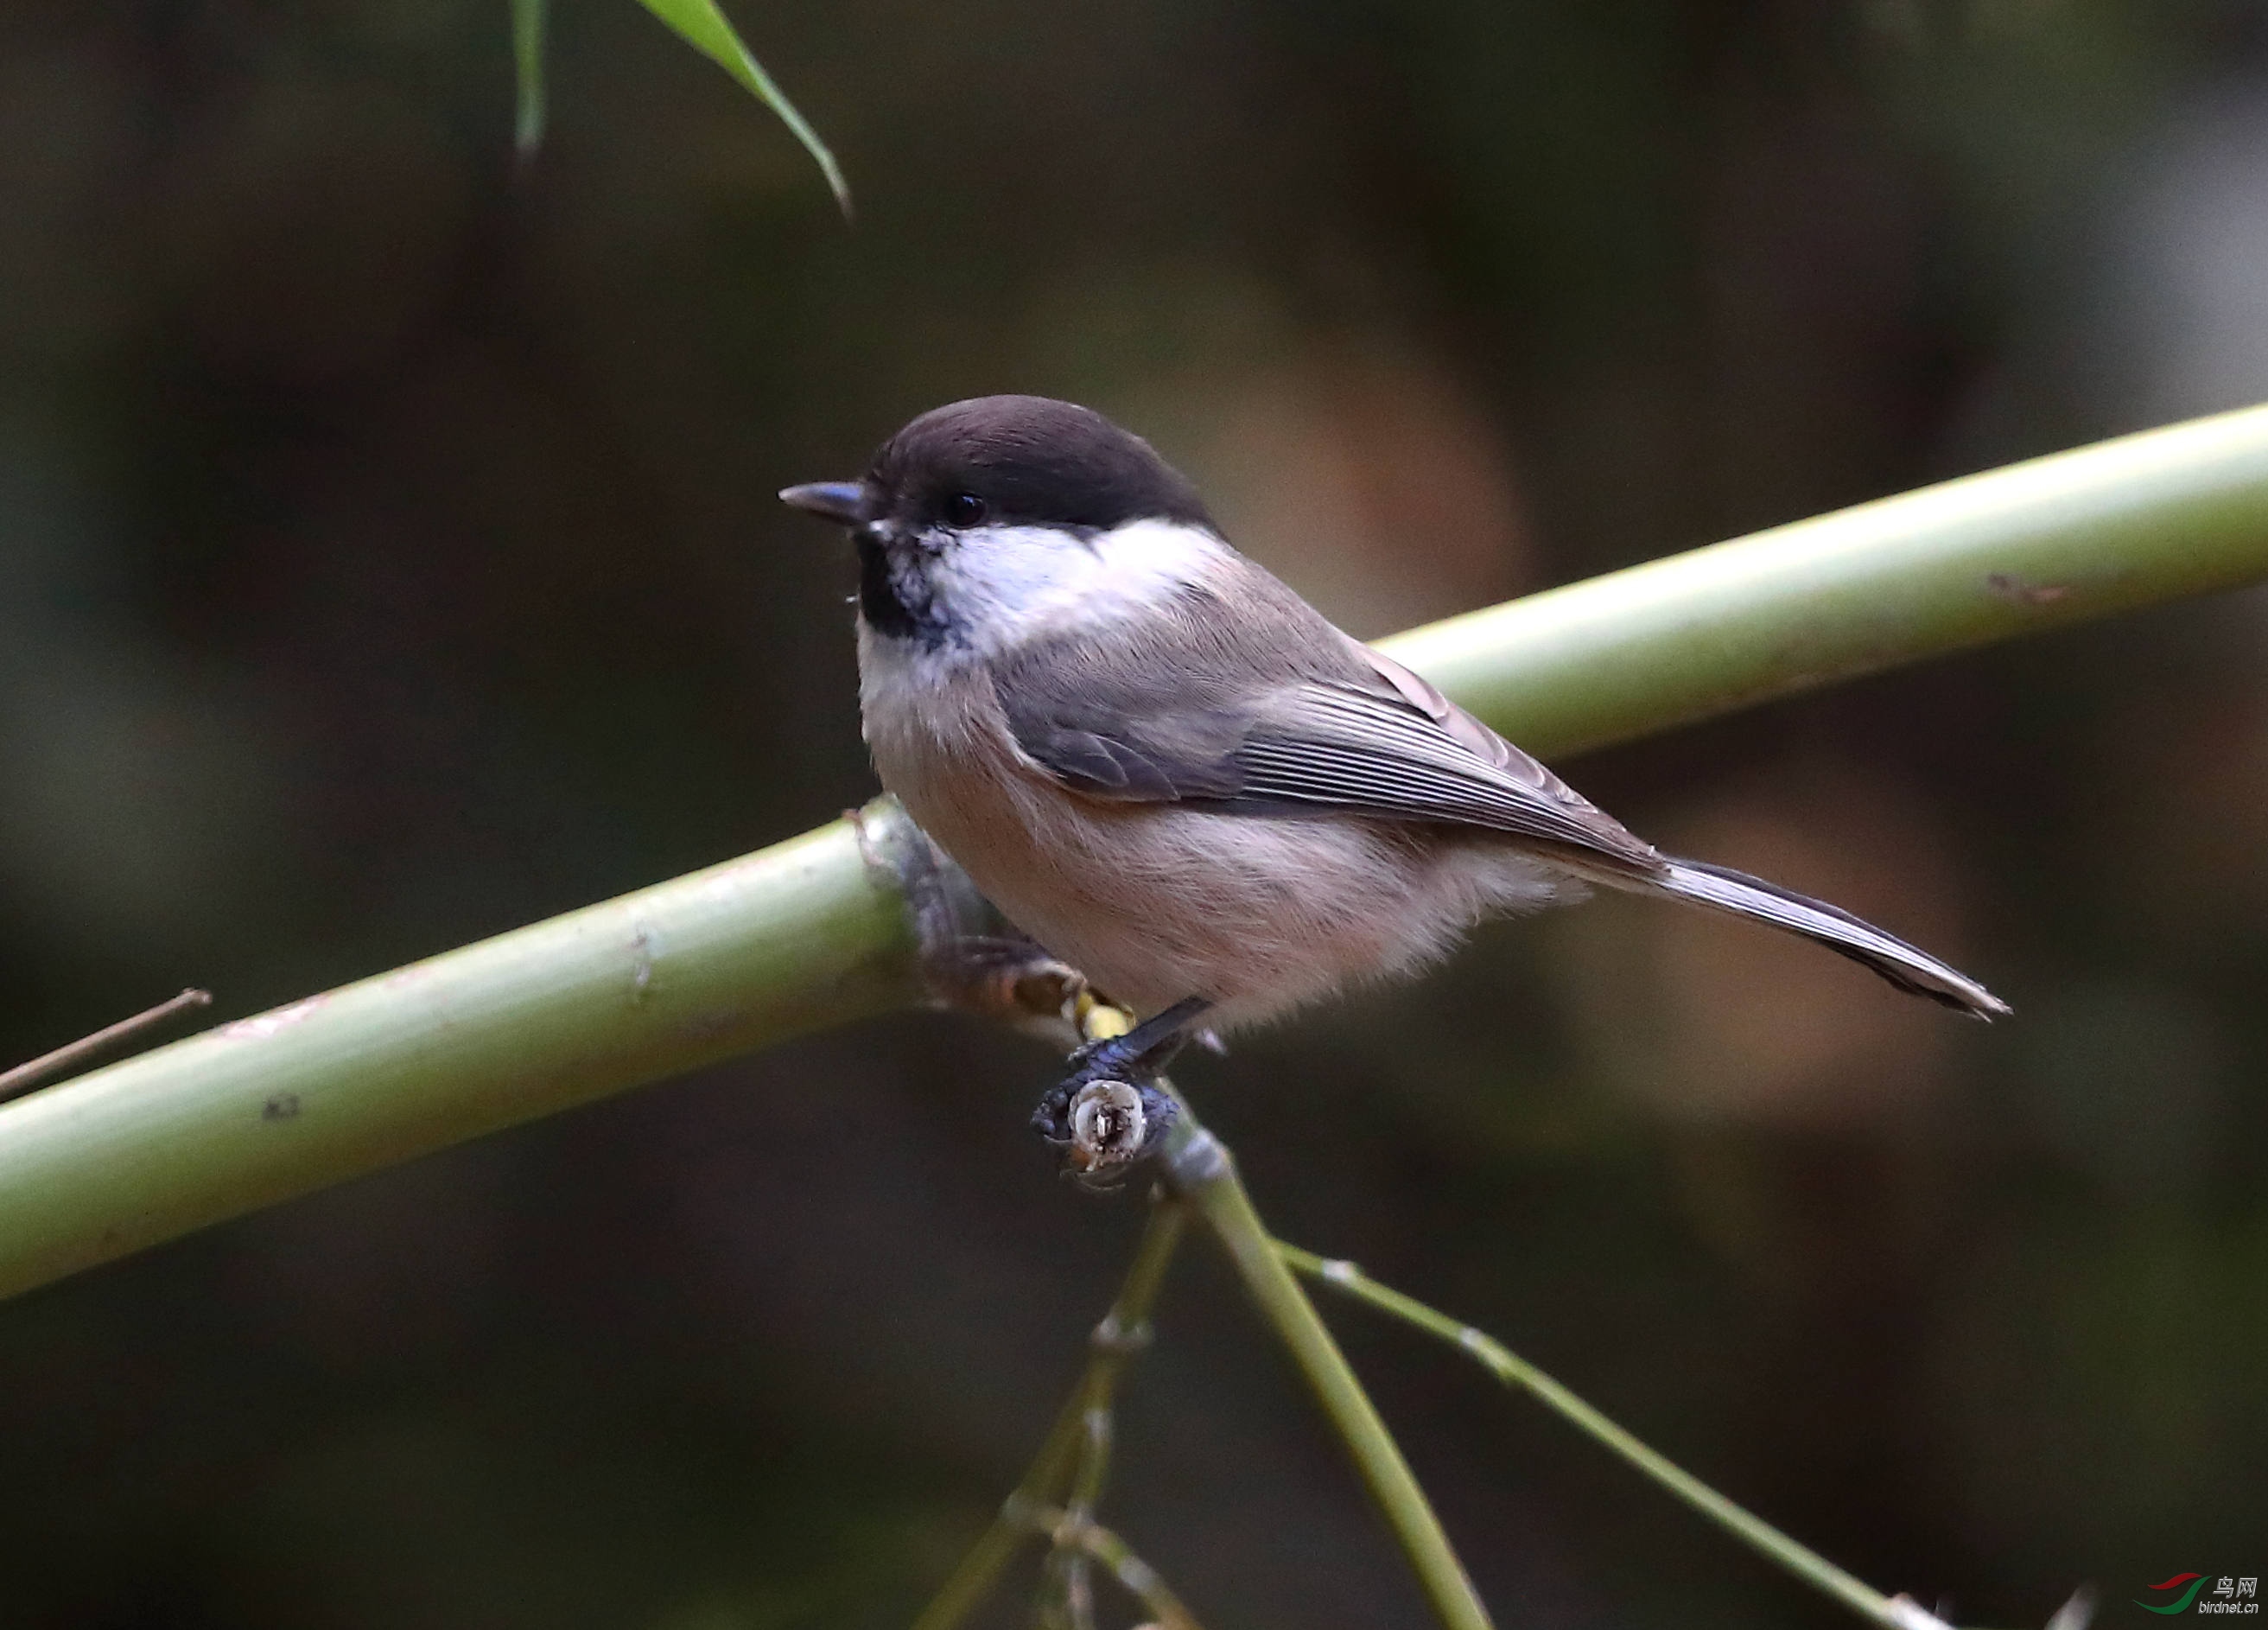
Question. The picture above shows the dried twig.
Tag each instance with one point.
(62, 1060)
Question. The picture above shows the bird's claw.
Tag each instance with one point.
(1104, 1122)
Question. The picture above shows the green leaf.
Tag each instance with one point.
(528, 20)
(704, 28)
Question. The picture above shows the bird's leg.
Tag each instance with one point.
(1147, 1048)
(1109, 1111)
(971, 957)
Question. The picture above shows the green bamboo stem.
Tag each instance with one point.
(739, 956)
(804, 934)
(1514, 1371)
(2058, 540)
(1060, 1458)
(1205, 1175)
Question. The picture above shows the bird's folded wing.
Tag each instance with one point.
(1365, 737)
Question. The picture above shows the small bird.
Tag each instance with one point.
(1175, 774)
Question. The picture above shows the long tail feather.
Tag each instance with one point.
(1906, 966)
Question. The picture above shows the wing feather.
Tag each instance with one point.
(1281, 714)
(1357, 734)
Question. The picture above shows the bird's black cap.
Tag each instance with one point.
(1029, 460)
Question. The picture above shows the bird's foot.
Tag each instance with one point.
(1104, 1124)
(1110, 1113)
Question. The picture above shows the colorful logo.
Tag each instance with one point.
(2225, 1595)
(2179, 1604)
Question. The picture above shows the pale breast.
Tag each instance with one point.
(1158, 902)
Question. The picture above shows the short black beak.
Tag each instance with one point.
(830, 500)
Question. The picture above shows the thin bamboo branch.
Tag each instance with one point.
(1206, 1174)
(1135, 1577)
(1893, 1613)
(807, 935)
(1199, 1172)
(1121, 1334)
(1067, 1568)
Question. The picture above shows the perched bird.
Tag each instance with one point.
(1178, 776)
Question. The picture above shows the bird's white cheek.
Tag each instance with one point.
(996, 582)
(1002, 586)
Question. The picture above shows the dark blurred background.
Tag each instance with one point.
(388, 558)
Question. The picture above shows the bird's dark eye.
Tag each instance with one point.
(963, 509)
